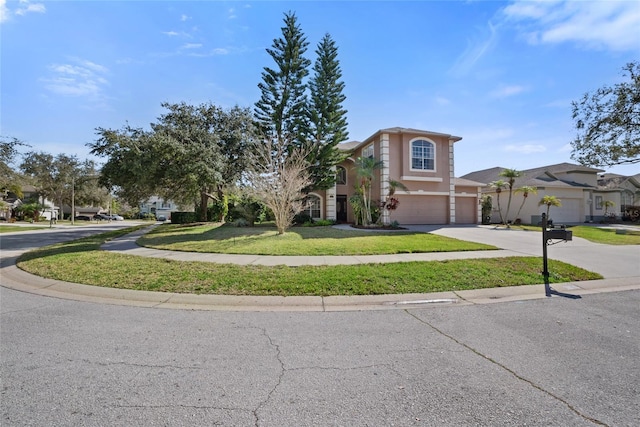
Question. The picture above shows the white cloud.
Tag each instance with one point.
(507, 91)
(525, 148)
(440, 100)
(80, 77)
(192, 46)
(24, 7)
(566, 148)
(475, 50)
(591, 24)
(184, 18)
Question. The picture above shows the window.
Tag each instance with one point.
(599, 202)
(341, 176)
(313, 206)
(422, 155)
(368, 151)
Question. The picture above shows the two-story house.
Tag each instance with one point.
(421, 160)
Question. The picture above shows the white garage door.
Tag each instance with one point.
(569, 211)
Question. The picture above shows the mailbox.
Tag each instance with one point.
(559, 234)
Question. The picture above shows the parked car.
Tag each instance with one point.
(82, 218)
(101, 217)
(117, 218)
(162, 218)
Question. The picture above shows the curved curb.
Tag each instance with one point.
(19, 280)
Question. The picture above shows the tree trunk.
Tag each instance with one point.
(204, 200)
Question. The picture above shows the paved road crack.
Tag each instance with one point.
(511, 371)
(278, 381)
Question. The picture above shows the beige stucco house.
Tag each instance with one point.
(581, 190)
(421, 160)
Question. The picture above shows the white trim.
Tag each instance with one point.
(330, 195)
(422, 193)
(466, 195)
(421, 178)
(373, 150)
(422, 138)
(321, 205)
(452, 187)
(384, 173)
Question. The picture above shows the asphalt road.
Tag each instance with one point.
(556, 361)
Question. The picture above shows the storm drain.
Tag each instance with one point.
(424, 301)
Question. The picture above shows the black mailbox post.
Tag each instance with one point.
(548, 236)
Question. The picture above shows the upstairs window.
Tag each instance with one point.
(422, 155)
(341, 176)
(368, 152)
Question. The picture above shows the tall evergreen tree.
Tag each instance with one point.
(328, 122)
(282, 109)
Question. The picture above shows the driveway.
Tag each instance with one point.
(609, 260)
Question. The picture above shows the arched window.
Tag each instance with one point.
(423, 155)
(313, 206)
(341, 175)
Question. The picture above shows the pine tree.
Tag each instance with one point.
(328, 123)
(282, 109)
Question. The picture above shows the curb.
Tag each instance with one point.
(19, 280)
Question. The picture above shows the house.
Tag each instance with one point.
(623, 191)
(421, 160)
(158, 207)
(29, 192)
(579, 189)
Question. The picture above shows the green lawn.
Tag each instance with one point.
(16, 228)
(607, 236)
(299, 241)
(81, 261)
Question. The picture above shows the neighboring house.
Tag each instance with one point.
(30, 192)
(623, 191)
(158, 207)
(578, 187)
(419, 159)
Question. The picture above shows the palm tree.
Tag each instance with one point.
(498, 185)
(525, 190)
(365, 171)
(607, 204)
(549, 201)
(511, 175)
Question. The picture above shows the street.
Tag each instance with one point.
(554, 361)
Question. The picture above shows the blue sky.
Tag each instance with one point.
(501, 75)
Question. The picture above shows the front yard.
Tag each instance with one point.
(82, 261)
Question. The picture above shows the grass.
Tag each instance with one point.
(82, 261)
(607, 236)
(299, 241)
(14, 228)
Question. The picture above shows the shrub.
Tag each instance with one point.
(183, 217)
(302, 218)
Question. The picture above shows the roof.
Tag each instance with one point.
(545, 176)
(351, 145)
(612, 181)
(461, 182)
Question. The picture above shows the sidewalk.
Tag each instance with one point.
(514, 242)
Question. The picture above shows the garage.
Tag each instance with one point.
(466, 210)
(421, 210)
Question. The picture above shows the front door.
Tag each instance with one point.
(341, 208)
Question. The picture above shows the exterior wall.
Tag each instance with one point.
(588, 178)
(431, 197)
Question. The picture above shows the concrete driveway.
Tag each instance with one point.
(609, 260)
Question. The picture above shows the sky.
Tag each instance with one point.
(500, 74)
